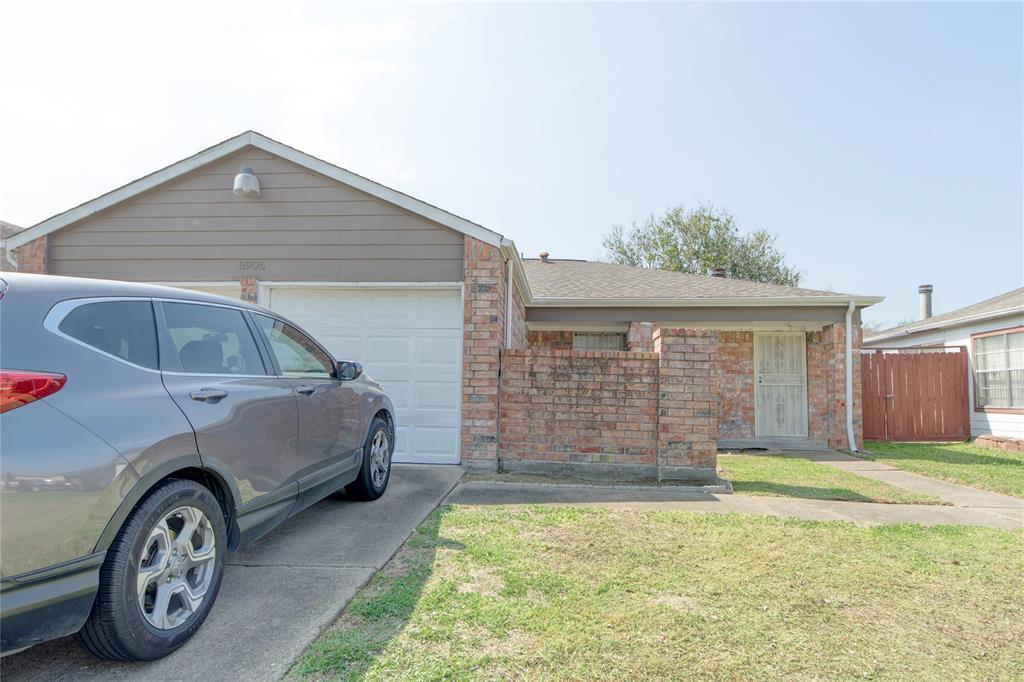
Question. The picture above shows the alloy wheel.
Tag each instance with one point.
(380, 458)
(176, 567)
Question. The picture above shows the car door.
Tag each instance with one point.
(330, 419)
(244, 416)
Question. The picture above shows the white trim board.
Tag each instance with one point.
(232, 145)
(219, 283)
(263, 287)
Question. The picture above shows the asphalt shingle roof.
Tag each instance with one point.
(575, 279)
(1010, 300)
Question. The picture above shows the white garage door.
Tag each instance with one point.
(410, 340)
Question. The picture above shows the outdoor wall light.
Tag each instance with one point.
(246, 183)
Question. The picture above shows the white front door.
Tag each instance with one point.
(409, 340)
(780, 384)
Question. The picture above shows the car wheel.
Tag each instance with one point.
(161, 575)
(376, 470)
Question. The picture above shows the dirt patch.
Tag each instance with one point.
(678, 602)
(514, 644)
(482, 581)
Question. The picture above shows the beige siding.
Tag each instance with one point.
(304, 227)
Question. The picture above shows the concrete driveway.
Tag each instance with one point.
(277, 594)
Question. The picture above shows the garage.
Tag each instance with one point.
(408, 338)
(380, 277)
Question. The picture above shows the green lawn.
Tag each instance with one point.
(964, 463)
(782, 476)
(569, 593)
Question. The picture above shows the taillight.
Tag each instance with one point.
(20, 387)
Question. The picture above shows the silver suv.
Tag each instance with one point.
(147, 431)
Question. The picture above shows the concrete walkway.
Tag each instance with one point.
(278, 594)
(962, 496)
(665, 498)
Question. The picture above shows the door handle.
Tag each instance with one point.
(208, 395)
(305, 390)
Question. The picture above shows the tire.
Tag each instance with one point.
(372, 482)
(124, 626)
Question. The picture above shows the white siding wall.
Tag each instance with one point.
(982, 423)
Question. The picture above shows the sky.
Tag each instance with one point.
(881, 142)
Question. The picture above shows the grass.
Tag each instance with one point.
(569, 593)
(782, 476)
(966, 463)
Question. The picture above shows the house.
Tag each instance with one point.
(993, 333)
(491, 359)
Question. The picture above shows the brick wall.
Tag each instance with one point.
(688, 404)
(584, 407)
(482, 340)
(735, 372)
(826, 385)
(31, 257)
(640, 337)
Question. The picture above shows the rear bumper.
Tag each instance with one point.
(49, 603)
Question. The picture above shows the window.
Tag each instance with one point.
(295, 352)
(598, 341)
(211, 340)
(124, 329)
(999, 370)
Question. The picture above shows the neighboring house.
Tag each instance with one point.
(993, 333)
(6, 230)
(490, 359)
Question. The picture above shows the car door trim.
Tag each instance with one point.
(258, 517)
(330, 471)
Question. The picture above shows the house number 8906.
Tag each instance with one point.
(252, 265)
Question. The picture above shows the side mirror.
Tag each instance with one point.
(347, 371)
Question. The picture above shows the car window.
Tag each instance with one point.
(295, 352)
(211, 340)
(125, 329)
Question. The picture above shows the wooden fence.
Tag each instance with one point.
(913, 394)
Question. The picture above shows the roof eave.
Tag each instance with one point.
(774, 301)
(518, 272)
(956, 322)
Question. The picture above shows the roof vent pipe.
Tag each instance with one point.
(246, 183)
(925, 292)
(718, 272)
(544, 256)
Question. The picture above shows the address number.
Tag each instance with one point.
(252, 265)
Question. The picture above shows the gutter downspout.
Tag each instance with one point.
(849, 377)
(9, 254)
(508, 305)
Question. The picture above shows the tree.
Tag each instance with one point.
(699, 241)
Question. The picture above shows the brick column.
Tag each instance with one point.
(826, 358)
(250, 287)
(482, 340)
(687, 405)
(640, 337)
(31, 257)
